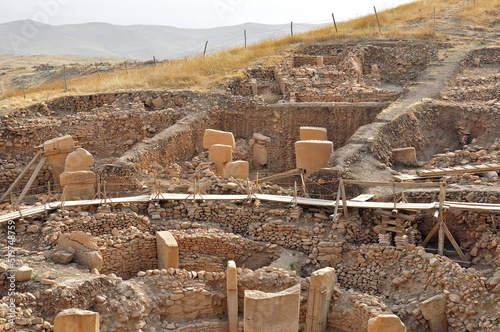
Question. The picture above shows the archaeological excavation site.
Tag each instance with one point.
(352, 186)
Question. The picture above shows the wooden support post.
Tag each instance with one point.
(295, 194)
(344, 199)
(32, 179)
(205, 50)
(335, 23)
(336, 210)
(378, 22)
(65, 79)
(18, 179)
(303, 185)
(442, 197)
(454, 243)
(291, 29)
(245, 36)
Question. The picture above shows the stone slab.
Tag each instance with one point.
(272, 312)
(238, 169)
(212, 136)
(313, 155)
(313, 134)
(220, 154)
(386, 323)
(76, 320)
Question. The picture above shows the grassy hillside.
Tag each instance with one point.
(415, 20)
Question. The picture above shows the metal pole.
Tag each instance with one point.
(205, 50)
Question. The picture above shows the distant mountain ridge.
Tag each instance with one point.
(140, 42)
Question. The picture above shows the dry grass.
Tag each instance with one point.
(481, 12)
(206, 72)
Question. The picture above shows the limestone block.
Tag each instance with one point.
(405, 156)
(23, 273)
(313, 155)
(158, 102)
(212, 137)
(272, 312)
(76, 240)
(319, 61)
(386, 323)
(322, 284)
(76, 320)
(91, 259)
(58, 161)
(167, 250)
(313, 134)
(220, 154)
(79, 185)
(62, 257)
(434, 310)
(237, 169)
(59, 143)
(78, 160)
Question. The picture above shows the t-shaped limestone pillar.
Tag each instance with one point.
(238, 169)
(272, 312)
(167, 250)
(322, 283)
(313, 155)
(76, 320)
(386, 323)
(434, 310)
(212, 137)
(313, 134)
(221, 155)
(232, 296)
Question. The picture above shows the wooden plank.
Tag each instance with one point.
(431, 234)
(394, 184)
(397, 215)
(459, 170)
(362, 198)
(32, 179)
(293, 172)
(21, 175)
(344, 199)
(453, 242)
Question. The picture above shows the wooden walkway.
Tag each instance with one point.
(263, 197)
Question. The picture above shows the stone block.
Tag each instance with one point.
(23, 273)
(434, 310)
(212, 137)
(405, 156)
(58, 161)
(220, 154)
(313, 155)
(167, 250)
(158, 102)
(272, 312)
(62, 257)
(78, 160)
(76, 320)
(313, 134)
(386, 323)
(78, 185)
(237, 169)
(91, 259)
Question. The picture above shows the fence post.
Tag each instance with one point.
(205, 50)
(378, 22)
(335, 23)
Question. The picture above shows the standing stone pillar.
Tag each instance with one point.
(386, 323)
(167, 250)
(321, 288)
(259, 150)
(272, 312)
(76, 320)
(232, 296)
(434, 310)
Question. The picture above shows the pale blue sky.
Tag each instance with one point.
(188, 13)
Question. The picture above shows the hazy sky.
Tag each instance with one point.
(188, 13)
